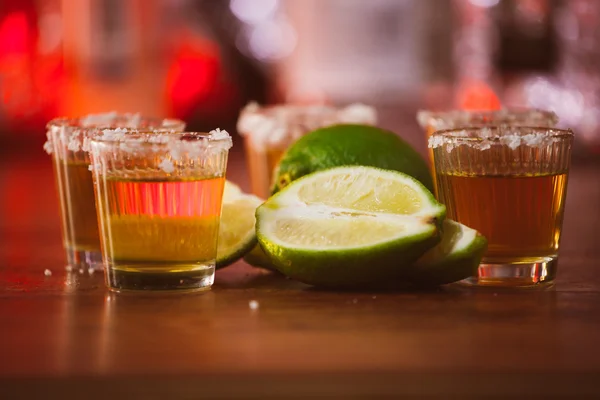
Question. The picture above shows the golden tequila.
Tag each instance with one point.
(521, 216)
(78, 196)
(161, 226)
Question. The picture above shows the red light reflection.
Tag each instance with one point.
(477, 95)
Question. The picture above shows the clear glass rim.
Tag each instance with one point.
(154, 123)
(516, 111)
(174, 142)
(290, 113)
(462, 134)
(267, 109)
(150, 138)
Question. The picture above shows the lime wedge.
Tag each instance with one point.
(455, 258)
(236, 231)
(257, 258)
(231, 191)
(349, 226)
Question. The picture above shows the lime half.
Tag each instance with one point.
(236, 231)
(349, 226)
(343, 145)
(455, 258)
(257, 258)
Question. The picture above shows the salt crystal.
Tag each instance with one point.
(74, 141)
(167, 166)
(48, 147)
(175, 152)
(533, 140)
(253, 304)
(99, 119)
(91, 271)
(115, 134)
(47, 272)
(358, 113)
(81, 270)
(486, 133)
(435, 141)
(274, 125)
(511, 141)
(127, 147)
(68, 268)
(218, 134)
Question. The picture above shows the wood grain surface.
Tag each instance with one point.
(66, 337)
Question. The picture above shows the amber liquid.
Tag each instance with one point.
(261, 164)
(521, 216)
(76, 190)
(160, 226)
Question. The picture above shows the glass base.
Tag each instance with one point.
(84, 260)
(179, 278)
(538, 273)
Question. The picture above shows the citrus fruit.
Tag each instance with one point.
(343, 145)
(257, 258)
(236, 230)
(349, 226)
(455, 258)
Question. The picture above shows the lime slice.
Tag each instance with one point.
(455, 258)
(349, 226)
(236, 230)
(231, 191)
(257, 258)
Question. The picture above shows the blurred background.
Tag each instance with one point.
(202, 60)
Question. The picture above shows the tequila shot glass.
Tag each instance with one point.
(159, 206)
(510, 184)
(270, 130)
(73, 178)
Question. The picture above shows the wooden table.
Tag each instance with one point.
(65, 336)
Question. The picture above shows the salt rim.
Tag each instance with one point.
(274, 125)
(78, 129)
(217, 140)
(458, 118)
(136, 138)
(512, 137)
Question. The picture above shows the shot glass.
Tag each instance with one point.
(74, 180)
(509, 183)
(159, 204)
(270, 130)
(431, 121)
